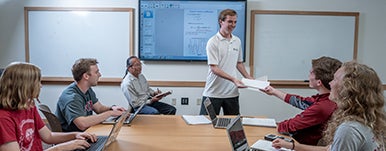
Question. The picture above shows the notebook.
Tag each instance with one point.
(196, 119)
(216, 121)
(239, 141)
(104, 141)
(266, 122)
(111, 120)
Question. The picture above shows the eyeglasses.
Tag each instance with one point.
(137, 65)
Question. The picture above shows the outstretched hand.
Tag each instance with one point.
(279, 143)
(118, 108)
(268, 90)
(239, 84)
(71, 145)
(86, 136)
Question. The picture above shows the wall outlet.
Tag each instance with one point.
(184, 101)
(198, 101)
(174, 101)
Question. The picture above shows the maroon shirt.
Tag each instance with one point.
(23, 127)
(308, 126)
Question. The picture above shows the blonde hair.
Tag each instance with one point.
(19, 86)
(359, 98)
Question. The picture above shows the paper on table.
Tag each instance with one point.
(266, 146)
(267, 122)
(196, 119)
(257, 84)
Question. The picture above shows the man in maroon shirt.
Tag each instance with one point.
(308, 126)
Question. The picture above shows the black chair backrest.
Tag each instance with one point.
(53, 121)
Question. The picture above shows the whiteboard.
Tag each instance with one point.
(285, 42)
(57, 37)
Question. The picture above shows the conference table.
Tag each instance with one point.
(171, 133)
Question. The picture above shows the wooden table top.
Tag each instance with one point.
(170, 132)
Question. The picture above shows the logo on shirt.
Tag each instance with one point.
(88, 106)
(235, 49)
(26, 129)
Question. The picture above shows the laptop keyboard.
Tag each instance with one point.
(98, 145)
(223, 122)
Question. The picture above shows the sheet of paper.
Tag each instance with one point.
(267, 122)
(196, 119)
(254, 89)
(266, 146)
(257, 84)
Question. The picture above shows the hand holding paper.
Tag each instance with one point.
(161, 95)
(257, 84)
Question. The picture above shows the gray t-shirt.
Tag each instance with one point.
(72, 104)
(354, 136)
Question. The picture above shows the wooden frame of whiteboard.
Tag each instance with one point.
(65, 80)
(296, 83)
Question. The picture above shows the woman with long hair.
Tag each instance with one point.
(21, 127)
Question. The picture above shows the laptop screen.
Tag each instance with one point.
(210, 109)
(117, 127)
(236, 135)
(132, 116)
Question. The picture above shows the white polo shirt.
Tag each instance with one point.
(225, 54)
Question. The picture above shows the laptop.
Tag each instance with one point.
(104, 141)
(111, 120)
(132, 116)
(216, 121)
(239, 141)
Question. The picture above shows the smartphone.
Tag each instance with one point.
(271, 137)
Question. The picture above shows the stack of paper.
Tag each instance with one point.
(267, 122)
(196, 119)
(256, 84)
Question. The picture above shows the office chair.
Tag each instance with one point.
(53, 121)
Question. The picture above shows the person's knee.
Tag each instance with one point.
(149, 110)
(173, 110)
(154, 112)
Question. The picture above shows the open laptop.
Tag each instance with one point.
(132, 116)
(239, 141)
(104, 141)
(216, 121)
(111, 120)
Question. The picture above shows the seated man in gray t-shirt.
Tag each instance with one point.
(78, 100)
